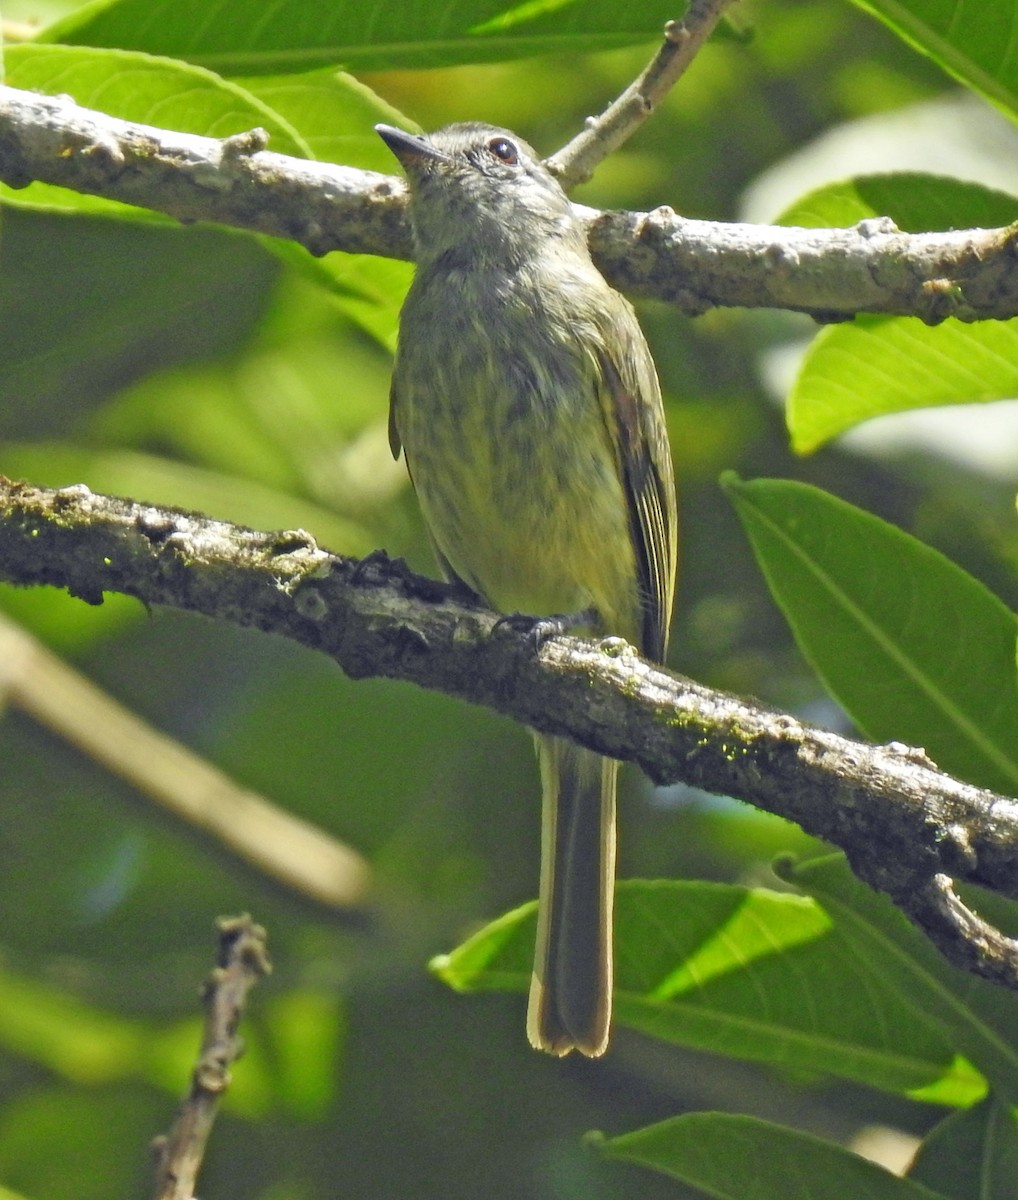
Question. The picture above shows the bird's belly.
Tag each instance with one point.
(526, 505)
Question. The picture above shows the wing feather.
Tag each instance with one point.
(632, 402)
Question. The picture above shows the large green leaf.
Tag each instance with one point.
(751, 973)
(238, 37)
(973, 42)
(972, 1154)
(915, 649)
(979, 1018)
(336, 115)
(878, 365)
(743, 1158)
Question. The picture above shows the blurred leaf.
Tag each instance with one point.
(79, 1123)
(304, 411)
(78, 1042)
(163, 481)
(87, 306)
(7, 1194)
(238, 37)
(136, 87)
(742, 1158)
(336, 115)
(88, 1045)
(916, 203)
(972, 1154)
(979, 1018)
(306, 416)
(915, 649)
(759, 975)
(972, 46)
(305, 1029)
(876, 365)
(62, 621)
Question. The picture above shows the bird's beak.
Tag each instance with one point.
(412, 149)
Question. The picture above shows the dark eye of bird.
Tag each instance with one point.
(504, 150)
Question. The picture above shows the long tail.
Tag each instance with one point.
(571, 990)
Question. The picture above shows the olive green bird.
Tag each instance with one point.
(526, 401)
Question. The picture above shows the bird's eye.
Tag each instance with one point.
(504, 150)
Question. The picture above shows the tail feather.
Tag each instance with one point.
(571, 990)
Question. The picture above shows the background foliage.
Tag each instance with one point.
(215, 371)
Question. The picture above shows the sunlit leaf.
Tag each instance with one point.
(242, 37)
(915, 649)
(755, 974)
(876, 365)
(916, 203)
(974, 43)
(979, 1018)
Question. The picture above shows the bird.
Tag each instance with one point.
(526, 402)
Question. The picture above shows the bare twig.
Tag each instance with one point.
(576, 162)
(293, 851)
(695, 265)
(241, 961)
(900, 821)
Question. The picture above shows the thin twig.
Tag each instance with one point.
(241, 961)
(577, 160)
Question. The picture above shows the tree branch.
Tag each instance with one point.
(240, 962)
(901, 822)
(695, 265)
(576, 162)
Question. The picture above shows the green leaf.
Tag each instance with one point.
(915, 202)
(915, 649)
(876, 365)
(245, 37)
(755, 974)
(972, 1154)
(742, 1158)
(336, 116)
(47, 1025)
(137, 87)
(978, 1018)
(86, 306)
(306, 1027)
(972, 42)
